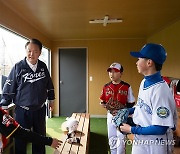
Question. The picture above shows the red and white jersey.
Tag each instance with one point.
(117, 95)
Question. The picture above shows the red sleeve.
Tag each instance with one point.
(102, 97)
(7, 124)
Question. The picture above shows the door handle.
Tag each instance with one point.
(61, 82)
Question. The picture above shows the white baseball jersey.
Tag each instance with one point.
(155, 106)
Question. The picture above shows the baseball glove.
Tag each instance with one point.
(114, 105)
(121, 117)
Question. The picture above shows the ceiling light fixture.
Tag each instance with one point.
(105, 21)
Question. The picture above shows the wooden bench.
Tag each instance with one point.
(83, 135)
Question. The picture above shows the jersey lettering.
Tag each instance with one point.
(146, 107)
(32, 77)
(115, 95)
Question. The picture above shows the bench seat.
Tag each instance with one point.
(83, 132)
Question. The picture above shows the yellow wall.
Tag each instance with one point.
(101, 53)
(169, 37)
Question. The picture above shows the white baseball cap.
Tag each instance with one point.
(116, 66)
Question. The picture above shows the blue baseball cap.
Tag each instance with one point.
(152, 51)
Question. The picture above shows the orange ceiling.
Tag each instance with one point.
(69, 19)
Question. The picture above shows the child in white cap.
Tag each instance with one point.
(116, 95)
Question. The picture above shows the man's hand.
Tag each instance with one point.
(56, 143)
(125, 128)
(51, 105)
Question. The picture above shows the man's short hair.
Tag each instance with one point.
(34, 41)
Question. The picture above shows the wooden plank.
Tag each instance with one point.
(67, 147)
(63, 147)
(84, 139)
(83, 134)
(75, 147)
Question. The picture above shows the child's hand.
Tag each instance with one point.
(114, 112)
(56, 143)
(103, 104)
(125, 128)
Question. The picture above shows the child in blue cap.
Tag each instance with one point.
(155, 112)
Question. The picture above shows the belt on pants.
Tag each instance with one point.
(32, 108)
